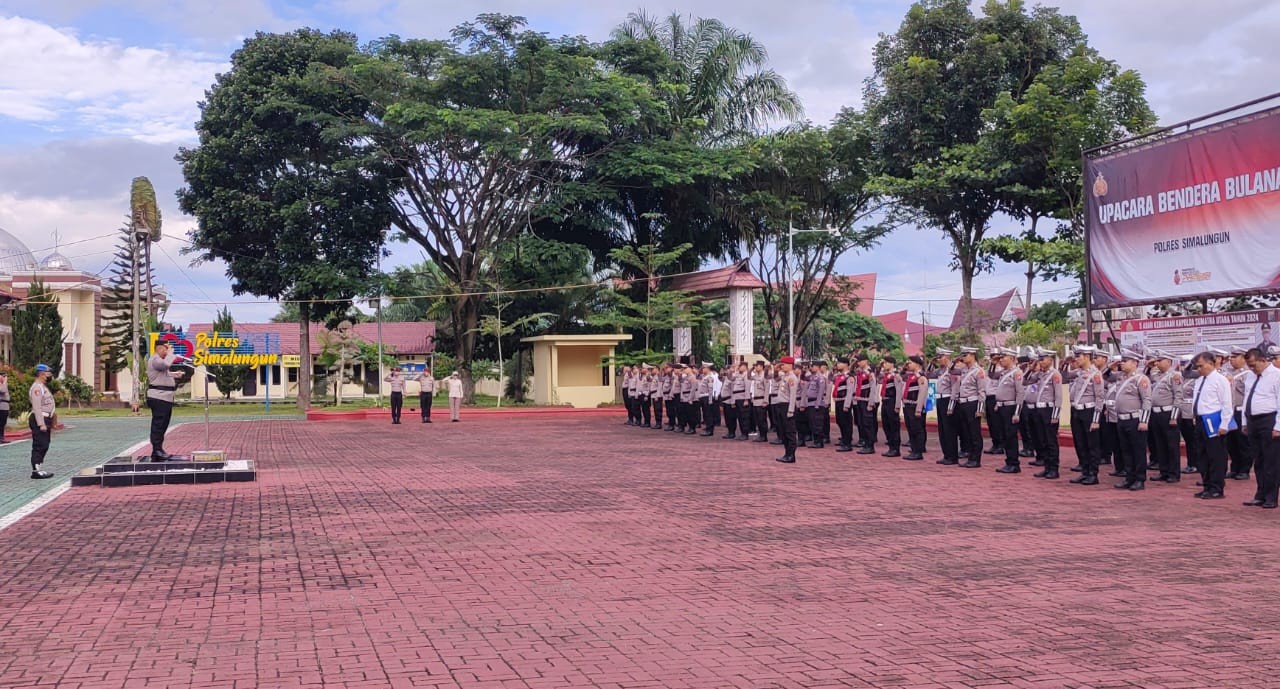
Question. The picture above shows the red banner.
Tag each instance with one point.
(1186, 217)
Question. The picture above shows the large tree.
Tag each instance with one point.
(295, 206)
(808, 179)
(481, 133)
(37, 330)
(933, 81)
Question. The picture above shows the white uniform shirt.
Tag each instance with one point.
(1212, 394)
(1262, 396)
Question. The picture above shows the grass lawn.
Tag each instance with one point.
(283, 408)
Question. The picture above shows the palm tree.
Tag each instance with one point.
(727, 92)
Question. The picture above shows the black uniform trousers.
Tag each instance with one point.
(4, 421)
(761, 414)
(1266, 457)
(858, 423)
(1086, 441)
(801, 420)
(710, 413)
(672, 405)
(867, 430)
(161, 413)
(642, 401)
(1009, 440)
(914, 416)
(1024, 428)
(1044, 436)
(730, 417)
(948, 437)
(1192, 436)
(844, 422)
(1213, 460)
(424, 405)
(1108, 442)
(826, 424)
(777, 414)
(891, 419)
(397, 406)
(746, 420)
(816, 415)
(1162, 439)
(658, 404)
(626, 403)
(969, 428)
(39, 439)
(790, 439)
(1238, 447)
(993, 422)
(692, 415)
(1131, 450)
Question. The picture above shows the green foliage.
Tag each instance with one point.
(811, 179)
(144, 212)
(226, 378)
(953, 340)
(288, 200)
(75, 389)
(1050, 335)
(967, 112)
(19, 388)
(117, 304)
(1051, 312)
(481, 132)
(659, 309)
(37, 330)
(841, 332)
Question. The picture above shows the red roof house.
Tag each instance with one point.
(988, 312)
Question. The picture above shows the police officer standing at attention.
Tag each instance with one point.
(1162, 431)
(1261, 405)
(815, 392)
(788, 390)
(742, 401)
(1238, 440)
(758, 387)
(966, 407)
(1187, 415)
(1044, 404)
(995, 371)
(426, 392)
(1087, 394)
(915, 397)
(1212, 399)
(41, 420)
(397, 393)
(4, 406)
(626, 396)
(843, 393)
(891, 406)
(1011, 392)
(1133, 414)
(946, 378)
(865, 397)
(161, 385)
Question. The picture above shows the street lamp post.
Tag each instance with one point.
(791, 283)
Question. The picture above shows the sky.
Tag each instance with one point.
(94, 93)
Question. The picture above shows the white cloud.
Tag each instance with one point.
(57, 80)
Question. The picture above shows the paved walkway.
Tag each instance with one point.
(86, 442)
(580, 553)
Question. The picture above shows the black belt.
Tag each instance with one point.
(170, 388)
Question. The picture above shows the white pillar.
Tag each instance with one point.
(742, 333)
(682, 341)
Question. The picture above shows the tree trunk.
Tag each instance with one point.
(1026, 304)
(466, 316)
(966, 294)
(304, 356)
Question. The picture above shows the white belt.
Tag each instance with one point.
(1083, 406)
(1126, 417)
(966, 400)
(1240, 408)
(1002, 405)
(1042, 405)
(1160, 410)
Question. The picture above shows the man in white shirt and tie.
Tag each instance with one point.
(1259, 415)
(1212, 396)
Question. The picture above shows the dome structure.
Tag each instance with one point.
(56, 261)
(14, 255)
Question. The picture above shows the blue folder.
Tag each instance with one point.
(1213, 422)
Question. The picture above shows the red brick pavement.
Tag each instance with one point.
(582, 553)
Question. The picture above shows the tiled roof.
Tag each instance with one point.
(986, 312)
(717, 280)
(912, 333)
(398, 337)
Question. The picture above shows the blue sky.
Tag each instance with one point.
(95, 93)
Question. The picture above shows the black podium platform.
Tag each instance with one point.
(140, 471)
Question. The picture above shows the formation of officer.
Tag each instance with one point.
(1133, 411)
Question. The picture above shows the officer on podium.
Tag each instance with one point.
(162, 383)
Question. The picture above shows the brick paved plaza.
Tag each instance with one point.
(576, 552)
